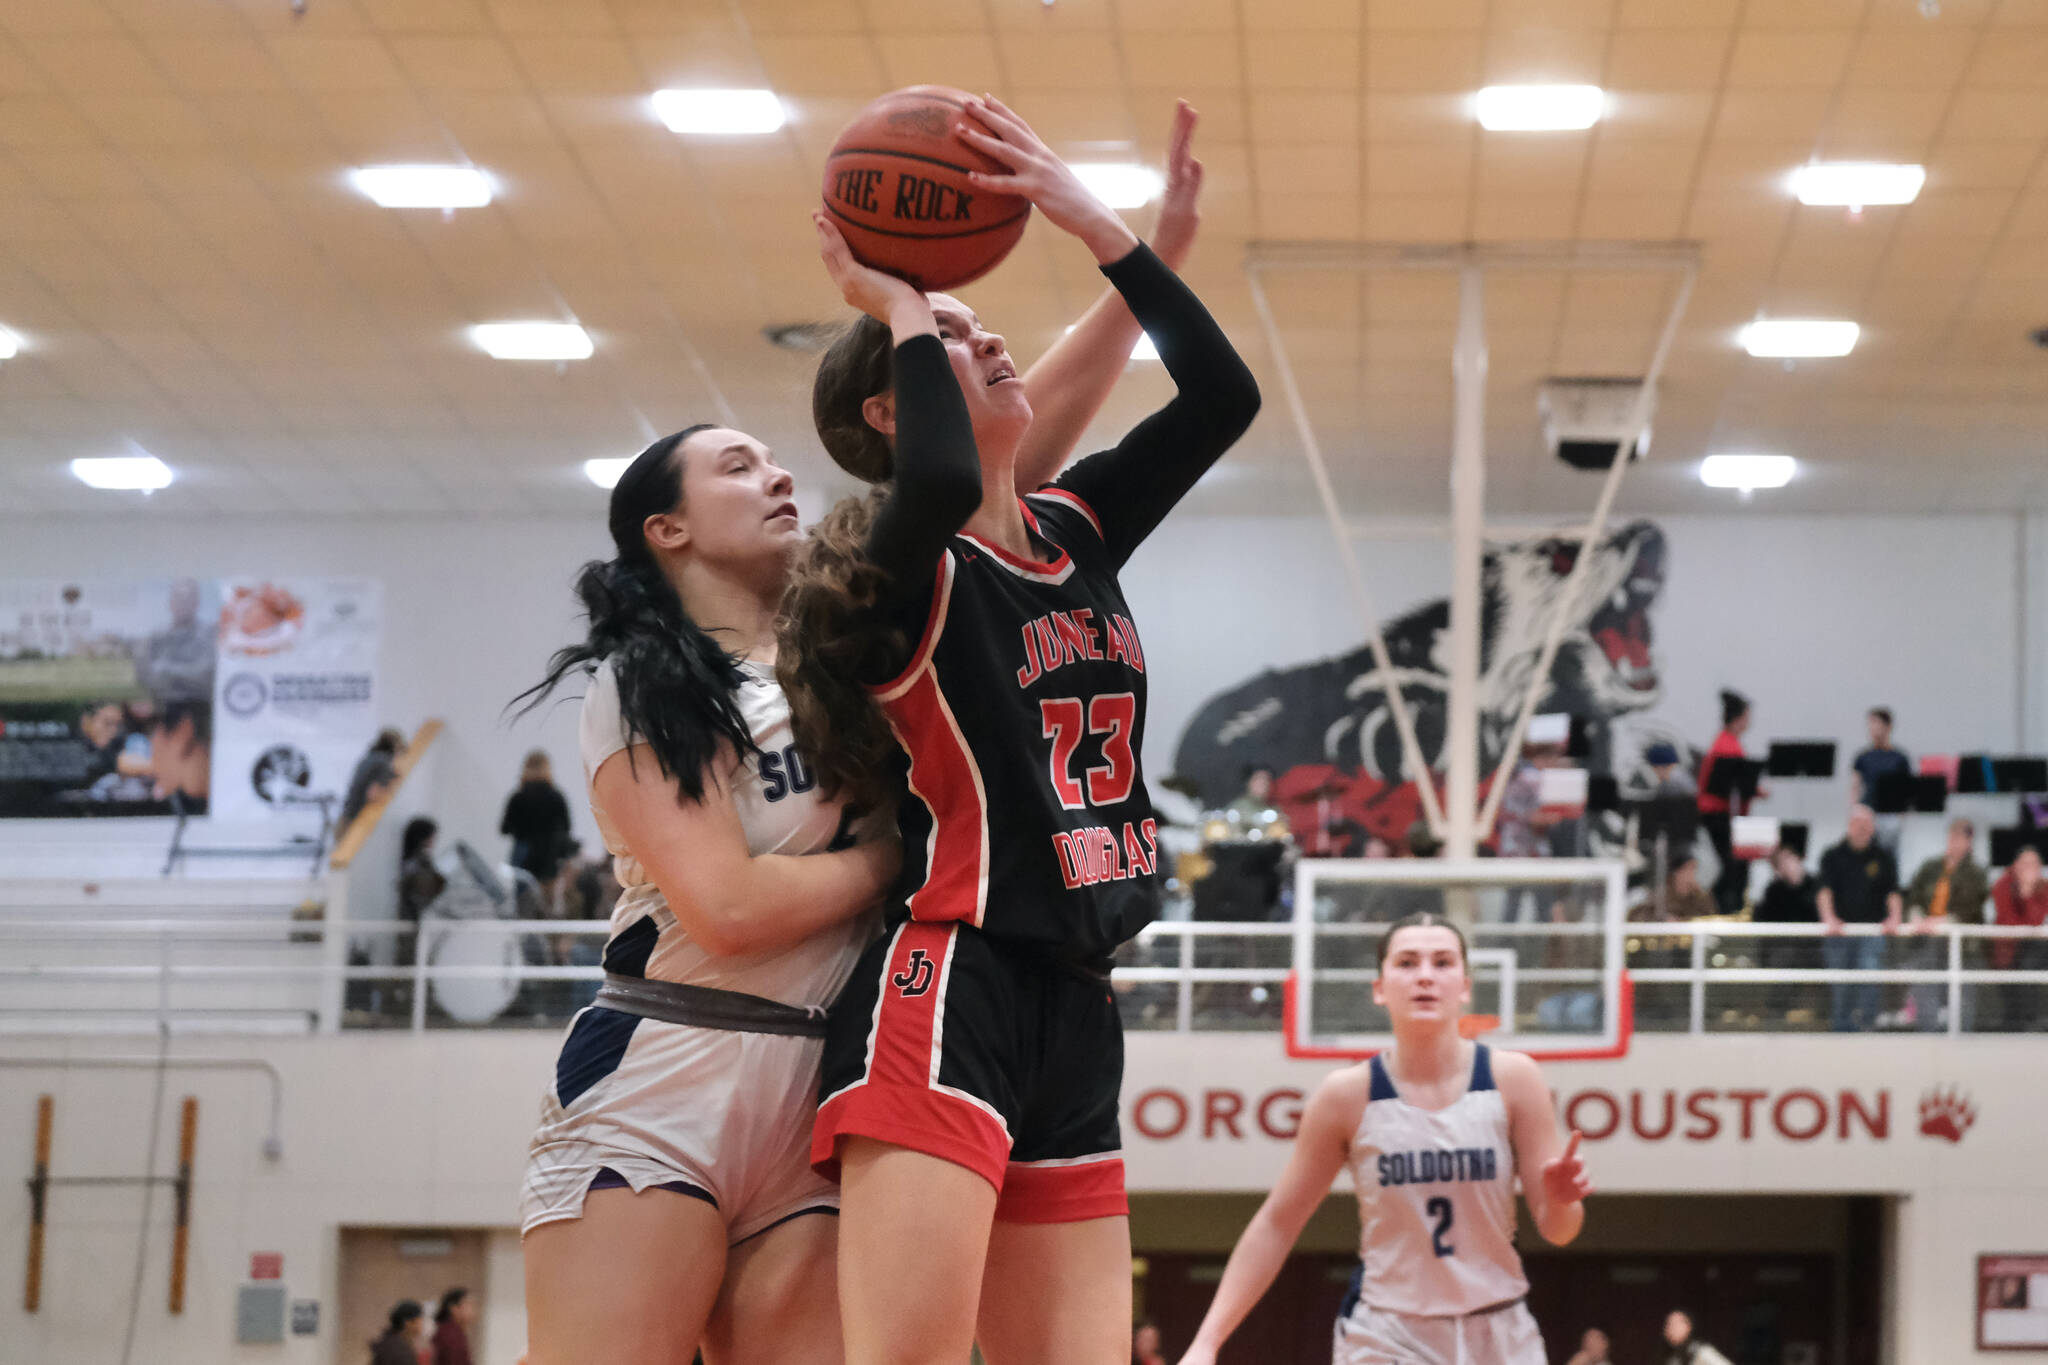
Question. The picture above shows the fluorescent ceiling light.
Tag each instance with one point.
(128, 473)
(719, 112)
(1539, 108)
(1747, 471)
(423, 187)
(1853, 184)
(606, 473)
(532, 340)
(1799, 338)
(1120, 184)
(10, 344)
(1143, 350)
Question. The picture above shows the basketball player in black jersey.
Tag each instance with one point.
(972, 1066)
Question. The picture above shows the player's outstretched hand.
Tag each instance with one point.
(875, 292)
(1180, 207)
(1564, 1175)
(1037, 174)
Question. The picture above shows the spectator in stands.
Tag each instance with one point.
(1256, 799)
(1593, 1343)
(1859, 884)
(404, 1338)
(1950, 889)
(1668, 780)
(1879, 761)
(452, 1321)
(375, 777)
(1791, 898)
(1145, 1344)
(2021, 898)
(419, 880)
(537, 820)
(1684, 1347)
(1684, 897)
(1731, 883)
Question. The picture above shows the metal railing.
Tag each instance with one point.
(226, 974)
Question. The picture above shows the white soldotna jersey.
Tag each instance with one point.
(1436, 1199)
(780, 809)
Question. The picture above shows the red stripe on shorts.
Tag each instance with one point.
(1064, 1191)
(899, 1100)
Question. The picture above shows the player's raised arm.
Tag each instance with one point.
(1553, 1174)
(936, 473)
(1071, 381)
(1319, 1151)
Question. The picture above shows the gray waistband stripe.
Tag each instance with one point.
(672, 1002)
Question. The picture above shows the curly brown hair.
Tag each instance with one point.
(821, 656)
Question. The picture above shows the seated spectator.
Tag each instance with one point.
(1791, 898)
(1684, 897)
(1878, 761)
(1951, 889)
(1255, 802)
(419, 880)
(1592, 1349)
(1683, 1347)
(1859, 884)
(2021, 898)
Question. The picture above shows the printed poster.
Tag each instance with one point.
(296, 692)
(106, 696)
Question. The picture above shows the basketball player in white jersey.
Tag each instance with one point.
(1436, 1133)
(668, 1184)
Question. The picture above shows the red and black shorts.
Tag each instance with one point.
(953, 1044)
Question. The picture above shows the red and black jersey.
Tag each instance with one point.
(1018, 689)
(1026, 813)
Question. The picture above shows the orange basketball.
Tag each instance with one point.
(896, 186)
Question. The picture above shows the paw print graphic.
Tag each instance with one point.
(1945, 1114)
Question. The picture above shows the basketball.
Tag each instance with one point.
(896, 186)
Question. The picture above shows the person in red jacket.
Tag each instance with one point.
(452, 1321)
(1732, 881)
(2019, 898)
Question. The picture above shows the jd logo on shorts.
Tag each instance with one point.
(916, 976)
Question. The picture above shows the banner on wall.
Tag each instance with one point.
(106, 696)
(1728, 1113)
(296, 691)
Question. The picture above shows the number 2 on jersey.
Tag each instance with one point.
(1440, 1209)
(1111, 715)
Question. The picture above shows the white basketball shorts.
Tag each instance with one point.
(713, 1114)
(1377, 1336)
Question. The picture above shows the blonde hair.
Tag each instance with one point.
(537, 768)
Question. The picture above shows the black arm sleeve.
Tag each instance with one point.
(937, 484)
(1133, 487)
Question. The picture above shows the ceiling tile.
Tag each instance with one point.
(1424, 61)
(1907, 59)
(1059, 61)
(966, 61)
(1295, 60)
(468, 64)
(1788, 59)
(1183, 60)
(1680, 59)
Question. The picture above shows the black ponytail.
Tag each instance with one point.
(677, 688)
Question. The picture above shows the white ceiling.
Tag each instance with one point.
(191, 273)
